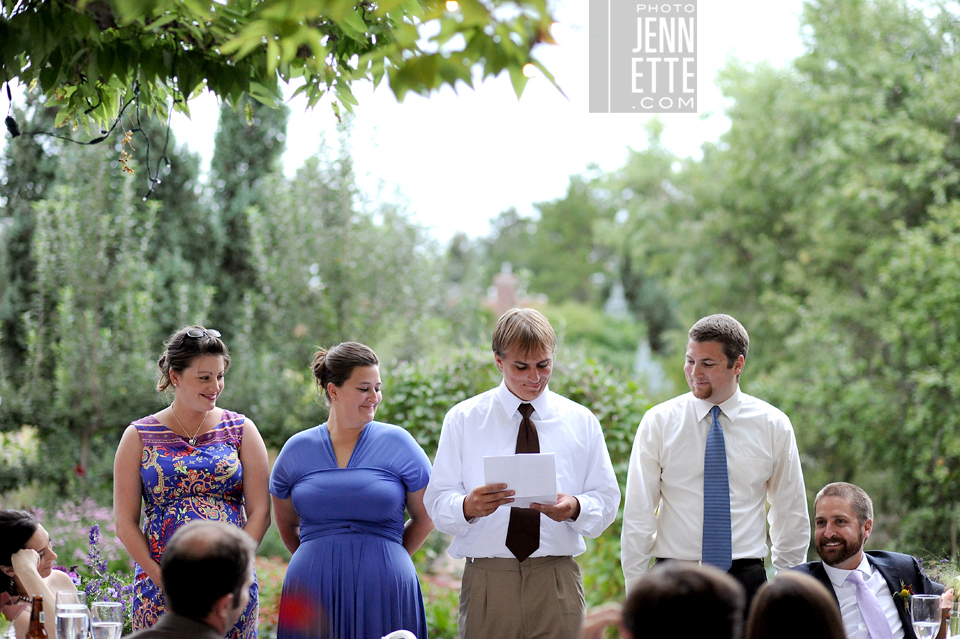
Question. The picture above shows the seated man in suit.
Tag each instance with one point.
(866, 585)
(207, 571)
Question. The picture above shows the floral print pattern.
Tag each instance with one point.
(182, 483)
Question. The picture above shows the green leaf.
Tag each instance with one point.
(354, 20)
(412, 8)
(518, 79)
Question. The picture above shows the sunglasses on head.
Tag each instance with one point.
(197, 333)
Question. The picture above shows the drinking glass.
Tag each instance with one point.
(73, 619)
(925, 614)
(106, 619)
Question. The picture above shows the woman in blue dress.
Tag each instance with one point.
(339, 493)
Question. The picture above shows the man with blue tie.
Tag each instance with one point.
(705, 464)
(866, 585)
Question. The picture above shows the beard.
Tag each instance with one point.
(836, 555)
(702, 392)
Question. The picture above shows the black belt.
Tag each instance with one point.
(738, 564)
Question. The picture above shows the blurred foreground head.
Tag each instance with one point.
(794, 606)
(685, 600)
(207, 571)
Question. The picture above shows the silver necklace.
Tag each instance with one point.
(193, 440)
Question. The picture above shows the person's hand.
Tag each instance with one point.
(11, 607)
(25, 560)
(601, 618)
(567, 507)
(946, 600)
(946, 603)
(483, 500)
(153, 571)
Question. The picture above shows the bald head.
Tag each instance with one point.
(202, 562)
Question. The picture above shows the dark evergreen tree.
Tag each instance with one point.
(248, 147)
(28, 168)
(185, 249)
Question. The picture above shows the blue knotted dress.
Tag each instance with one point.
(350, 578)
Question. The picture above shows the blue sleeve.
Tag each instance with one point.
(409, 460)
(285, 470)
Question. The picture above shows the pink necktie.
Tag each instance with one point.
(877, 625)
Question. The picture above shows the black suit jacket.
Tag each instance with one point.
(173, 626)
(896, 569)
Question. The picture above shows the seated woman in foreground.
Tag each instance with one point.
(26, 564)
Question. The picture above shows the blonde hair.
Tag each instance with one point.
(525, 330)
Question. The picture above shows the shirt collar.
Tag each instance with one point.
(838, 576)
(510, 402)
(730, 408)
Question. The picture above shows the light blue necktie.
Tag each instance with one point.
(717, 544)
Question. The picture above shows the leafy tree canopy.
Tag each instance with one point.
(92, 57)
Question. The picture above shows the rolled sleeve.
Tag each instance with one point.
(788, 516)
(445, 491)
(643, 496)
(600, 498)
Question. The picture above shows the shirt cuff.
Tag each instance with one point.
(462, 520)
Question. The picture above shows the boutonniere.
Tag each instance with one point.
(905, 591)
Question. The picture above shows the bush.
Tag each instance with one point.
(69, 527)
(270, 574)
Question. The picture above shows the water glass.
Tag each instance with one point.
(925, 614)
(73, 619)
(106, 619)
(69, 597)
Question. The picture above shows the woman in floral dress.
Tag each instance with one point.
(191, 460)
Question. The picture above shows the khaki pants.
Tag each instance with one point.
(540, 598)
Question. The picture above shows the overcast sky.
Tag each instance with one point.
(460, 159)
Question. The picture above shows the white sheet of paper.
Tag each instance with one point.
(533, 476)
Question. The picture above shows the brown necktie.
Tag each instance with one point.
(523, 533)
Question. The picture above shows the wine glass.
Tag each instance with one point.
(73, 619)
(106, 619)
(925, 614)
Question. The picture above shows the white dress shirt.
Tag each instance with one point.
(663, 514)
(853, 623)
(487, 425)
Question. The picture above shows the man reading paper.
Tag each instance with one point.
(520, 580)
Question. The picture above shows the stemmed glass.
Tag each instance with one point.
(925, 614)
(73, 619)
(106, 619)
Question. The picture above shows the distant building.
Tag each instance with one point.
(505, 292)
